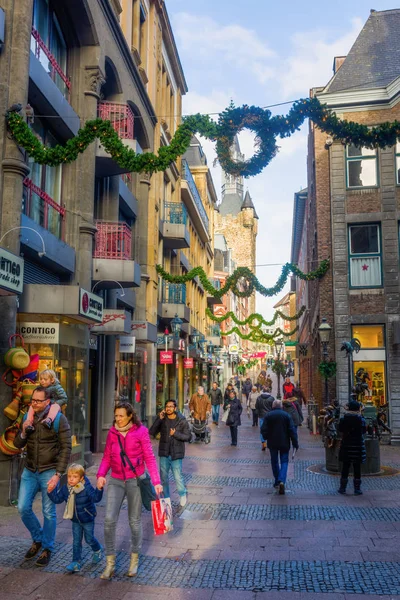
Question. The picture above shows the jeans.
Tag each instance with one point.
(215, 413)
(31, 484)
(260, 422)
(78, 531)
(255, 417)
(117, 490)
(279, 471)
(234, 434)
(167, 464)
(356, 469)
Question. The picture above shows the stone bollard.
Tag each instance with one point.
(372, 466)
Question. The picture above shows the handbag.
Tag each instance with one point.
(161, 512)
(147, 490)
(225, 415)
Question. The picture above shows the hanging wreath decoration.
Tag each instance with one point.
(245, 278)
(258, 336)
(254, 317)
(267, 129)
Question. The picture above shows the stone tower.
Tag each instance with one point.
(237, 220)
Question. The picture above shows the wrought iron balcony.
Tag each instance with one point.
(173, 293)
(113, 240)
(198, 215)
(40, 207)
(214, 330)
(50, 63)
(121, 118)
(173, 227)
(175, 212)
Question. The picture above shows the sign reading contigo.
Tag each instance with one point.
(11, 273)
(90, 306)
(39, 333)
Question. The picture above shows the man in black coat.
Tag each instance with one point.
(47, 456)
(263, 407)
(278, 429)
(216, 398)
(174, 432)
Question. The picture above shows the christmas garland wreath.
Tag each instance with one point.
(245, 278)
(257, 335)
(254, 317)
(231, 121)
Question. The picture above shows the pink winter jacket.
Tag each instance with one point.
(137, 446)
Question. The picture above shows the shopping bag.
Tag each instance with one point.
(161, 512)
(225, 415)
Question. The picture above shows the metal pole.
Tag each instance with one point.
(166, 372)
(278, 395)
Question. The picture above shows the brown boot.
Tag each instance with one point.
(264, 446)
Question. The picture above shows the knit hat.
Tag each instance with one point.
(354, 405)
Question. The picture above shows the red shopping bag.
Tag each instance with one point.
(161, 512)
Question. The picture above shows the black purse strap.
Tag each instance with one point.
(125, 458)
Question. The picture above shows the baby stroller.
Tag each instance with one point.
(200, 431)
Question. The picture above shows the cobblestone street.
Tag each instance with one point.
(237, 538)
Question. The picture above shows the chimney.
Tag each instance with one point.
(337, 63)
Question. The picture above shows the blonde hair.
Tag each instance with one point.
(76, 468)
(52, 374)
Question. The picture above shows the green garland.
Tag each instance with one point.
(257, 335)
(253, 317)
(246, 278)
(327, 369)
(231, 121)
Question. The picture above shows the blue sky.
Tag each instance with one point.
(263, 52)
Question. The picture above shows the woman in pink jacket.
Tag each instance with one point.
(128, 433)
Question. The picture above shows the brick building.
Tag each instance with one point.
(351, 214)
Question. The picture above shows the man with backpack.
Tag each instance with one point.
(263, 407)
(47, 455)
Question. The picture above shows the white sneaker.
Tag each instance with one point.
(183, 500)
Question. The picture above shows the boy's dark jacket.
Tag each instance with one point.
(174, 447)
(85, 508)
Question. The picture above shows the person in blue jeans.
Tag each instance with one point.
(174, 432)
(279, 430)
(80, 497)
(47, 456)
(216, 398)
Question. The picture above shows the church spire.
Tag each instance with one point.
(231, 184)
(248, 203)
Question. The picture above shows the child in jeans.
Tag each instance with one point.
(48, 379)
(80, 496)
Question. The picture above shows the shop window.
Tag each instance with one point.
(42, 190)
(365, 256)
(376, 380)
(361, 167)
(48, 44)
(370, 336)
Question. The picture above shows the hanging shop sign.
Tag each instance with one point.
(11, 273)
(233, 349)
(258, 355)
(127, 344)
(40, 333)
(188, 363)
(90, 305)
(166, 358)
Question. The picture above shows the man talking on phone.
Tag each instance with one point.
(174, 432)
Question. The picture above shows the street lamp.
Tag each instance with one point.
(279, 345)
(195, 336)
(176, 326)
(166, 334)
(324, 331)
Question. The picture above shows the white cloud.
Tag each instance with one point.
(231, 44)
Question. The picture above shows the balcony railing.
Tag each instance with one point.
(173, 293)
(175, 212)
(40, 207)
(215, 282)
(214, 330)
(187, 176)
(48, 60)
(113, 241)
(121, 118)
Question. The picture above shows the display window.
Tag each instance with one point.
(370, 336)
(376, 380)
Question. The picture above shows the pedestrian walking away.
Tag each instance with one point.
(235, 410)
(47, 455)
(174, 432)
(252, 404)
(128, 436)
(81, 498)
(246, 388)
(216, 398)
(200, 407)
(278, 429)
(263, 407)
(352, 447)
(291, 406)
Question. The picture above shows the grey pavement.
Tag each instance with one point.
(236, 538)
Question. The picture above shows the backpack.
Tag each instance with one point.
(56, 422)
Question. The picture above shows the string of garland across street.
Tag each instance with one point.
(257, 335)
(267, 129)
(257, 317)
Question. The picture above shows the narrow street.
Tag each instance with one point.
(237, 538)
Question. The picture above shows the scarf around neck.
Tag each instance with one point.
(124, 429)
(70, 506)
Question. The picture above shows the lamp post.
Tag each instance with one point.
(195, 336)
(324, 331)
(166, 334)
(176, 326)
(279, 344)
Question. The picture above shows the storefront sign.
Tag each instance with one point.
(188, 363)
(11, 273)
(40, 333)
(90, 305)
(127, 344)
(166, 358)
(233, 349)
(258, 355)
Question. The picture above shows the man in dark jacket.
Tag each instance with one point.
(263, 407)
(247, 387)
(235, 410)
(47, 455)
(278, 429)
(174, 432)
(215, 396)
